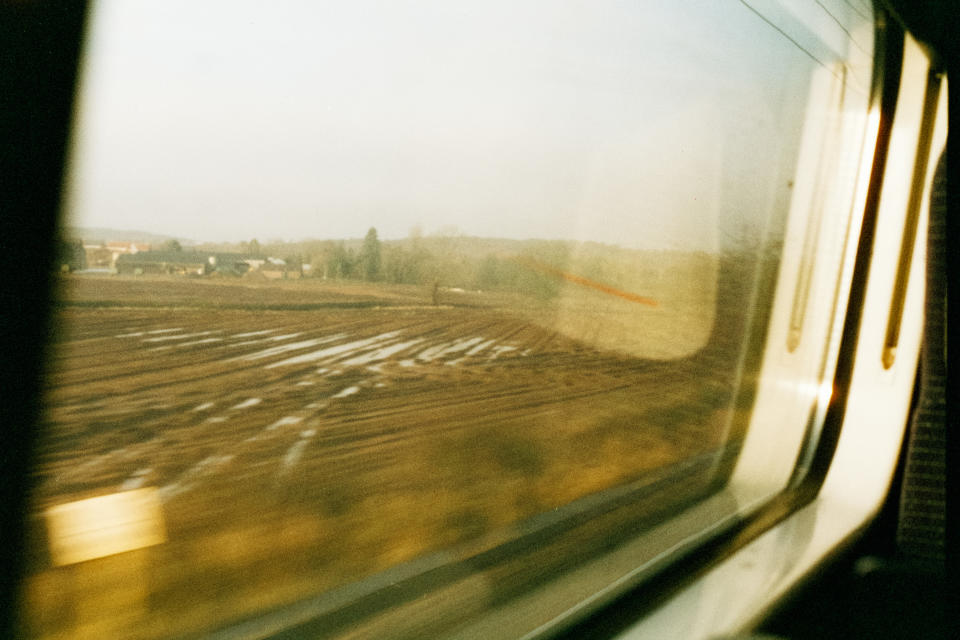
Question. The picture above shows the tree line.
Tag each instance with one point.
(527, 266)
(450, 261)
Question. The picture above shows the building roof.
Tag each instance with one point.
(186, 257)
(168, 257)
(226, 257)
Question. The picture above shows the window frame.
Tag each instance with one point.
(829, 479)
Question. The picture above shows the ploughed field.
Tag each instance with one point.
(296, 450)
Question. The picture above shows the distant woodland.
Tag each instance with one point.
(467, 262)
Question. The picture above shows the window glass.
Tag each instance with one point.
(369, 304)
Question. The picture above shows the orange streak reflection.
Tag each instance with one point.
(586, 282)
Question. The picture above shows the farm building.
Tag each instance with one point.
(174, 262)
(97, 256)
(120, 248)
(186, 263)
(100, 255)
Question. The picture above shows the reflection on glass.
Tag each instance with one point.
(413, 282)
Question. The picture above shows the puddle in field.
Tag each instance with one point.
(293, 346)
(120, 455)
(295, 452)
(261, 340)
(349, 391)
(181, 336)
(284, 421)
(372, 351)
(136, 480)
(480, 347)
(286, 336)
(203, 341)
(464, 348)
(380, 354)
(336, 350)
(250, 334)
(439, 351)
(138, 334)
(250, 402)
(498, 351)
(188, 479)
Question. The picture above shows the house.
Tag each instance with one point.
(120, 248)
(98, 256)
(103, 255)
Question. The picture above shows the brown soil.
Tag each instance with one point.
(413, 430)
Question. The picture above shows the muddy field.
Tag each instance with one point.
(307, 442)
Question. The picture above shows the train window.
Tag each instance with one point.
(416, 319)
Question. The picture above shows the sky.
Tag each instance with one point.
(629, 123)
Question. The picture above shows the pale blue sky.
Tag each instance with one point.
(620, 122)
